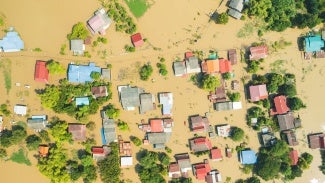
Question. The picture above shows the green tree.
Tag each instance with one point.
(237, 134)
(288, 90)
(164, 159)
(259, 8)
(210, 83)
(4, 110)
(280, 14)
(55, 67)
(5, 140)
(295, 103)
(87, 160)
(111, 111)
(274, 81)
(123, 126)
(32, 142)
(88, 144)
(59, 131)
(89, 174)
(252, 66)
(91, 125)
(308, 157)
(226, 76)
(267, 167)
(79, 31)
(222, 18)
(136, 141)
(146, 72)
(3, 153)
(50, 96)
(95, 75)
(253, 180)
(45, 136)
(75, 170)
(109, 168)
(18, 134)
(234, 97)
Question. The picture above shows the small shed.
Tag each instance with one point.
(126, 161)
(20, 110)
(77, 46)
(137, 40)
(232, 56)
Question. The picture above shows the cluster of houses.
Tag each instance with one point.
(314, 46)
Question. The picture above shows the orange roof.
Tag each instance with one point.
(210, 66)
(216, 154)
(202, 170)
(258, 52)
(224, 65)
(43, 150)
(156, 125)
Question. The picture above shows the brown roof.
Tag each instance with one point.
(174, 170)
(99, 91)
(200, 144)
(258, 52)
(78, 131)
(286, 121)
(291, 137)
(316, 140)
(125, 148)
(199, 123)
(43, 150)
(232, 56)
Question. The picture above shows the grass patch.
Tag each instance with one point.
(37, 49)
(246, 31)
(62, 49)
(1, 21)
(137, 7)
(20, 157)
(277, 66)
(6, 71)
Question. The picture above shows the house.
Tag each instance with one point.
(158, 138)
(213, 177)
(291, 137)
(99, 22)
(232, 56)
(210, 66)
(237, 105)
(137, 40)
(258, 52)
(77, 46)
(81, 73)
(108, 131)
(268, 139)
(192, 65)
(200, 170)
(280, 103)
(216, 154)
(316, 141)
(43, 150)
(223, 130)
(224, 66)
(219, 95)
(188, 54)
(156, 125)
(126, 161)
(293, 155)
(100, 153)
(11, 42)
(20, 110)
(258, 92)
(184, 162)
(174, 171)
(41, 72)
(130, 97)
(199, 124)
(200, 144)
(179, 68)
(106, 74)
(168, 124)
(235, 14)
(223, 106)
(313, 43)
(286, 121)
(147, 102)
(37, 123)
(237, 5)
(247, 157)
(82, 101)
(166, 100)
(99, 91)
(125, 148)
(78, 131)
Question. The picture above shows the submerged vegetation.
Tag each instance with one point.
(137, 7)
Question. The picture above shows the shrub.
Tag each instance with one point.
(222, 18)
(226, 75)
(234, 97)
(95, 75)
(210, 82)
(136, 141)
(129, 48)
(123, 126)
(295, 103)
(33, 141)
(146, 72)
(237, 134)
(111, 111)
(79, 31)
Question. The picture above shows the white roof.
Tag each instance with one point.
(126, 161)
(223, 131)
(237, 105)
(20, 110)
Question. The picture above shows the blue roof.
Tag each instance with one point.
(11, 42)
(80, 101)
(81, 73)
(248, 157)
(313, 43)
(103, 136)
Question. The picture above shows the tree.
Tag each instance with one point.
(59, 131)
(79, 31)
(146, 72)
(5, 138)
(226, 75)
(87, 160)
(136, 141)
(123, 126)
(237, 134)
(3, 153)
(91, 125)
(280, 14)
(89, 174)
(164, 159)
(55, 67)
(111, 111)
(222, 18)
(252, 66)
(4, 110)
(33, 141)
(18, 134)
(288, 90)
(308, 157)
(109, 168)
(88, 143)
(44, 136)
(259, 8)
(210, 82)
(295, 103)
(274, 81)
(95, 75)
(267, 167)
(253, 180)
(234, 97)
(50, 96)
(75, 170)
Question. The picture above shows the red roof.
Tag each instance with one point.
(97, 150)
(294, 157)
(203, 140)
(224, 65)
(216, 154)
(188, 54)
(258, 52)
(201, 170)
(281, 104)
(41, 72)
(258, 92)
(156, 125)
(137, 40)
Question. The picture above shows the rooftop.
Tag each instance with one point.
(199, 123)
(11, 42)
(99, 22)
(166, 99)
(78, 131)
(81, 101)
(210, 66)
(258, 52)
(248, 157)
(179, 68)
(280, 103)
(313, 43)
(293, 155)
(286, 121)
(192, 65)
(258, 92)
(224, 65)
(147, 102)
(109, 130)
(41, 72)
(81, 73)
(130, 97)
(156, 125)
(99, 91)
(137, 40)
(200, 144)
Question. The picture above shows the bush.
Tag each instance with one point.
(168, 150)
(45, 136)
(32, 142)
(79, 31)
(146, 72)
(3, 153)
(210, 83)
(288, 90)
(95, 75)
(91, 125)
(4, 110)
(136, 141)
(123, 126)
(295, 103)
(234, 97)
(222, 18)
(111, 111)
(226, 76)
(55, 67)
(162, 69)
(129, 48)
(237, 134)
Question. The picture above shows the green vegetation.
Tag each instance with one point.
(136, 141)
(102, 40)
(1, 21)
(288, 90)
(246, 169)
(59, 131)
(129, 48)
(6, 71)
(91, 125)
(246, 31)
(62, 49)
(262, 118)
(201, 153)
(44, 136)
(137, 7)
(32, 142)
(182, 180)
(237, 134)
(111, 111)
(253, 65)
(274, 81)
(79, 31)
(123, 22)
(145, 72)
(37, 49)
(109, 168)
(234, 97)
(88, 144)
(4, 110)
(61, 98)
(20, 157)
(295, 103)
(13, 136)
(3, 153)
(55, 67)
(226, 76)
(162, 69)
(322, 166)
(123, 126)
(168, 150)
(95, 75)
(87, 54)
(222, 18)
(152, 166)
(249, 180)
(209, 82)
